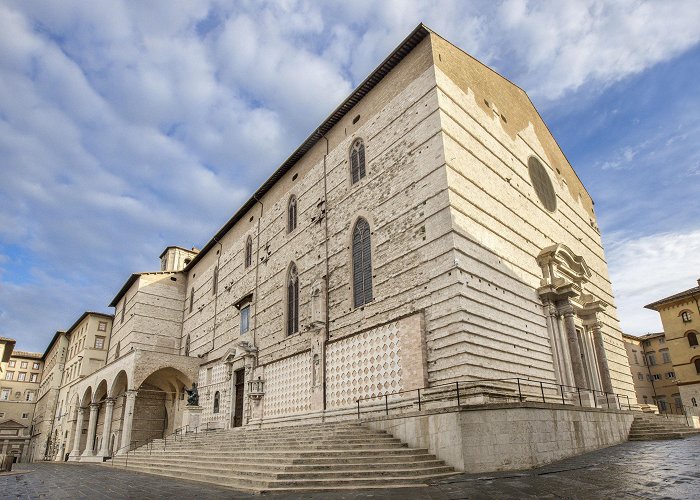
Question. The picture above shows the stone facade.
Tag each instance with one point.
(19, 387)
(680, 316)
(482, 260)
(654, 376)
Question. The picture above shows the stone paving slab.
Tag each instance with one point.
(641, 469)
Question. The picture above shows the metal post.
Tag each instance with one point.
(628, 403)
(580, 403)
(607, 399)
(542, 389)
(561, 389)
(458, 403)
(595, 403)
(619, 405)
(386, 403)
(418, 399)
(520, 394)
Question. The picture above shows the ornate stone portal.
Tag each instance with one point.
(573, 322)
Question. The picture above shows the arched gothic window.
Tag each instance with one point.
(292, 300)
(249, 252)
(361, 263)
(187, 346)
(292, 214)
(685, 317)
(217, 397)
(697, 365)
(357, 160)
(692, 338)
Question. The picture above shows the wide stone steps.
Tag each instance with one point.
(339, 456)
(648, 427)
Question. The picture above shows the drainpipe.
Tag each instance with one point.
(216, 295)
(257, 276)
(328, 278)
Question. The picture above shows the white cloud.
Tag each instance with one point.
(646, 269)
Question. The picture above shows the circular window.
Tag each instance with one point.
(542, 184)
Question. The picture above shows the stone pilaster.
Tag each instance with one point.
(128, 422)
(107, 429)
(92, 426)
(75, 452)
(601, 357)
(574, 348)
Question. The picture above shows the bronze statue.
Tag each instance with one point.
(192, 395)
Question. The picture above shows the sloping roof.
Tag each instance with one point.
(53, 341)
(84, 315)
(132, 279)
(681, 295)
(188, 250)
(404, 48)
(26, 354)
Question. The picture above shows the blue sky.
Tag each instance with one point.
(129, 126)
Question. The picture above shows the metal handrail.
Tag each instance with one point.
(538, 384)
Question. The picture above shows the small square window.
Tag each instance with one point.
(33, 377)
(685, 316)
(245, 319)
(640, 376)
(2, 414)
(9, 375)
(23, 364)
(21, 376)
(657, 376)
(5, 395)
(102, 326)
(29, 396)
(99, 342)
(35, 366)
(25, 415)
(12, 363)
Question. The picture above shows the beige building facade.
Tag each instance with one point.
(653, 372)
(429, 231)
(19, 387)
(680, 316)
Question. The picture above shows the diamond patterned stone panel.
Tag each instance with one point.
(288, 386)
(366, 364)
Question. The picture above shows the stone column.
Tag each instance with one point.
(75, 452)
(92, 425)
(129, 404)
(107, 428)
(574, 348)
(601, 357)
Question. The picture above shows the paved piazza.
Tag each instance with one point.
(653, 469)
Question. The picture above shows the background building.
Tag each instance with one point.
(653, 372)
(680, 316)
(21, 375)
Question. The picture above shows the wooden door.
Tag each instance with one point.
(238, 407)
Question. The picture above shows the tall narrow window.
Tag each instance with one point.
(249, 252)
(357, 160)
(123, 308)
(191, 299)
(187, 346)
(245, 318)
(292, 214)
(116, 350)
(292, 300)
(697, 365)
(215, 281)
(692, 339)
(217, 397)
(361, 263)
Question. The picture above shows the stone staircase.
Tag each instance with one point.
(300, 458)
(647, 426)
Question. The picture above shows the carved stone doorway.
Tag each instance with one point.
(238, 406)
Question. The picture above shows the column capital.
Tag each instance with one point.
(110, 401)
(566, 309)
(131, 393)
(94, 406)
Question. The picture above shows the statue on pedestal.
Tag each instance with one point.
(192, 395)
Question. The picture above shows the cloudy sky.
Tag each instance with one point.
(128, 126)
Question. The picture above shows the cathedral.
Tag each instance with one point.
(429, 231)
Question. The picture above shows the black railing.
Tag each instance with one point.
(679, 410)
(499, 390)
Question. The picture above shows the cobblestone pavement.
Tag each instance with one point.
(652, 469)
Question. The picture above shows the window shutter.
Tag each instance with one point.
(361, 155)
(354, 166)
